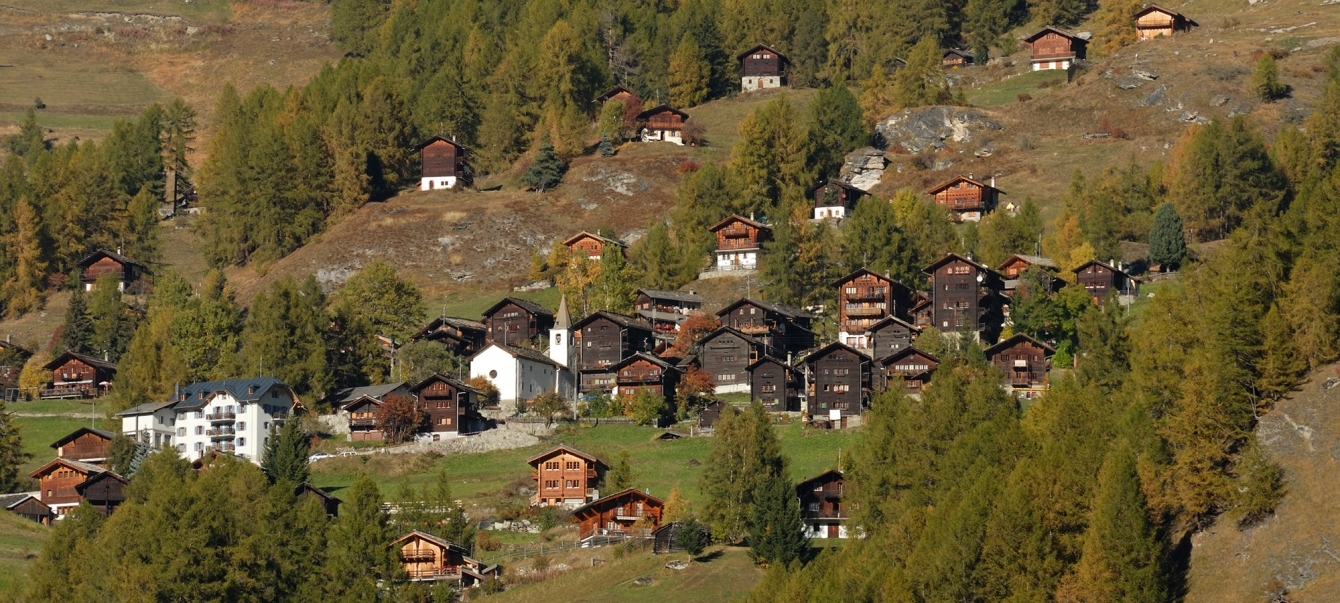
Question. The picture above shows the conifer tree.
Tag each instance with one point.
(657, 262)
(64, 554)
(745, 453)
(776, 534)
(676, 508)
(770, 157)
(835, 128)
(692, 538)
(872, 238)
(611, 290)
(1266, 84)
(12, 455)
(24, 291)
(283, 336)
(285, 455)
(1018, 563)
(358, 557)
(778, 262)
(1280, 364)
(29, 141)
(620, 476)
(113, 323)
(1115, 25)
(689, 74)
(353, 24)
(606, 148)
(877, 97)
(1167, 243)
(985, 23)
(77, 333)
(142, 241)
(546, 172)
(922, 81)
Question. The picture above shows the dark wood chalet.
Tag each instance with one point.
(364, 414)
(444, 163)
(565, 477)
(512, 321)
(821, 507)
(1101, 280)
(621, 94)
(834, 199)
(103, 491)
(838, 381)
(426, 558)
(914, 366)
(922, 312)
(591, 246)
(630, 513)
(643, 371)
(1055, 49)
(329, 503)
(955, 58)
(462, 336)
(1013, 269)
(12, 359)
(966, 293)
(707, 419)
(666, 310)
(75, 375)
(968, 199)
(773, 382)
(85, 444)
(664, 124)
(726, 355)
(601, 341)
(1023, 360)
(57, 479)
(450, 406)
(28, 507)
(1154, 21)
(782, 329)
(864, 298)
(102, 262)
(739, 243)
(890, 335)
(762, 67)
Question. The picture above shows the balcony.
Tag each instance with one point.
(218, 417)
(221, 432)
(363, 423)
(224, 447)
(865, 311)
(419, 555)
(751, 329)
(279, 416)
(870, 293)
(437, 573)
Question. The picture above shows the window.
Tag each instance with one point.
(199, 430)
(551, 484)
(571, 465)
(551, 466)
(241, 441)
(242, 425)
(493, 374)
(181, 431)
(181, 447)
(814, 506)
(199, 446)
(572, 483)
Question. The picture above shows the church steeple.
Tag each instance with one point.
(562, 320)
(560, 337)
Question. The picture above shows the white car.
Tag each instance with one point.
(318, 456)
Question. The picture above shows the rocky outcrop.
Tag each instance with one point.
(915, 130)
(864, 168)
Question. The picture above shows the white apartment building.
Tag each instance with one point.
(233, 416)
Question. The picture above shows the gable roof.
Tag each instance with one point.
(665, 366)
(721, 330)
(352, 394)
(958, 179)
(784, 310)
(9, 501)
(863, 270)
(242, 390)
(658, 109)
(435, 377)
(830, 473)
(526, 305)
(463, 324)
(766, 358)
(1032, 260)
(308, 488)
(147, 408)
(97, 477)
(431, 538)
(1105, 265)
(92, 258)
(1017, 338)
(903, 353)
(59, 361)
(106, 435)
(520, 353)
(612, 92)
(1149, 8)
(582, 234)
(890, 319)
(627, 322)
(835, 182)
(449, 141)
(738, 218)
(954, 51)
(813, 355)
(359, 401)
(1049, 29)
(680, 296)
(7, 346)
(741, 56)
(626, 493)
(87, 468)
(563, 448)
(950, 257)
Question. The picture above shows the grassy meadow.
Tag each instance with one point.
(20, 544)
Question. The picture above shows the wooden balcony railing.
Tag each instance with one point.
(220, 416)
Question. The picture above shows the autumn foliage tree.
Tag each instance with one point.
(398, 418)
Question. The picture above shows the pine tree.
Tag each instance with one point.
(358, 557)
(611, 290)
(12, 455)
(284, 336)
(692, 537)
(877, 97)
(620, 476)
(77, 333)
(143, 241)
(776, 534)
(985, 23)
(30, 140)
(770, 158)
(1167, 243)
(113, 323)
(689, 74)
(606, 148)
(836, 127)
(745, 453)
(922, 81)
(1280, 364)
(872, 238)
(1266, 84)
(285, 455)
(546, 172)
(353, 24)
(24, 291)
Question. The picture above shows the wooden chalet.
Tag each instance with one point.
(1101, 279)
(363, 407)
(27, 506)
(663, 123)
(665, 539)
(426, 557)
(74, 375)
(889, 335)
(1013, 268)
(954, 58)
(602, 340)
(102, 262)
(865, 298)
(834, 199)
(512, 321)
(85, 444)
(329, 503)
(450, 406)
(726, 355)
(57, 479)
(782, 329)
(821, 507)
(592, 246)
(630, 513)
(666, 310)
(460, 335)
(922, 314)
(739, 243)
(1154, 21)
(968, 199)
(774, 383)
(643, 371)
(12, 359)
(837, 384)
(1052, 48)
(444, 164)
(1024, 361)
(103, 491)
(621, 94)
(762, 67)
(966, 293)
(914, 366)
(707, 419)
(565, 477)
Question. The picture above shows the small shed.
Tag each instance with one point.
(955, 58)
(1154, 21)
(103, 491)
(103, 262)
(328, 502)
(27, 506)
(663, 124)
(619, 93)
(665, 539)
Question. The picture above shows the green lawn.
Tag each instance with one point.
(39, 432)
(195, 10)
(473, 307)
(65, 81)
(659, 466)
(20, 544)
(54, 407)
(725, 576)
(1034, 83)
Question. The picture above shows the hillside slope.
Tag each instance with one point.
(1297, 549)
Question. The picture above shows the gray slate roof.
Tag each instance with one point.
(237, 388)
(679, 296)
(147, 408)
(345, 396)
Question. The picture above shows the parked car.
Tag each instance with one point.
(318, 456)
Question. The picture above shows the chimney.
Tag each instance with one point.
(993, 181)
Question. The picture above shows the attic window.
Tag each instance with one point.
(251, 389)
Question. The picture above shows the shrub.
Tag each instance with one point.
(485, 541)
(1266, 83)
(695, 134)
(1025, 97)
(687, 166)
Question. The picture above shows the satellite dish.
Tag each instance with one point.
(980, 277)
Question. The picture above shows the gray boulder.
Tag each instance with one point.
(915, 130)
